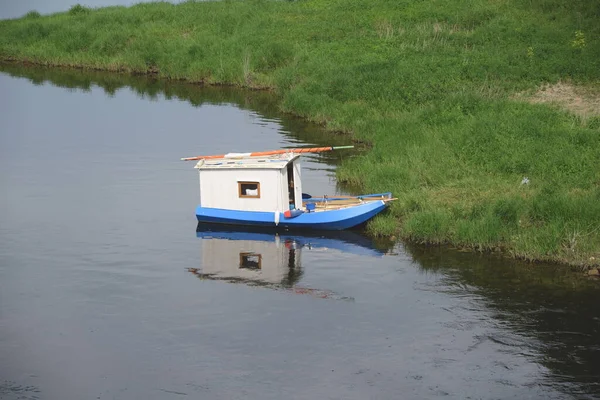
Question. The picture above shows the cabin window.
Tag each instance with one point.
(249, 189)
(250, 261)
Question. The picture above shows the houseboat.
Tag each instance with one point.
(264, 189)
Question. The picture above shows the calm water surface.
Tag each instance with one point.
(109, 289)
(18, 8)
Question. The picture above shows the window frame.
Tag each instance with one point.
(248, 196)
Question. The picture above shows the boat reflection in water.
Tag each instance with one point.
(271, 259)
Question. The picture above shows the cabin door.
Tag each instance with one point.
(291, 186)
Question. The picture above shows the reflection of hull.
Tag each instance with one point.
(346, 217)
(343, 241)
(266, 258)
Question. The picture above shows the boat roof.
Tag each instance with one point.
(243, 161)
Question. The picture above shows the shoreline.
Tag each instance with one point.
(592, 270)
(455, 160)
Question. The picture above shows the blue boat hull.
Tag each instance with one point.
(340, 219)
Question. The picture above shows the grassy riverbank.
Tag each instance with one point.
(443, 91)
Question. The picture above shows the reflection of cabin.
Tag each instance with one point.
(254, 261)
(238, 182)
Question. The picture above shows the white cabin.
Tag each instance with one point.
(240, 182)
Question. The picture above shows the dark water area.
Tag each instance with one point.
(110, 290)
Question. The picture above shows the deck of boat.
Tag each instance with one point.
(336, 203)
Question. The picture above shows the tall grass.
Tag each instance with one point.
(428, 84)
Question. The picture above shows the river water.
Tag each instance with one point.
(16, 9)
(109, 289)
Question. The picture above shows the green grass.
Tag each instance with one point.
(430, 85)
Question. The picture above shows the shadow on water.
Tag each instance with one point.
(556, 308)
(297, 130)
(265, 258)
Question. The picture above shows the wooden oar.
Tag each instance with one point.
(334, 197)
(269, 153)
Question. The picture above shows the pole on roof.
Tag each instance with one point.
(297, 150)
